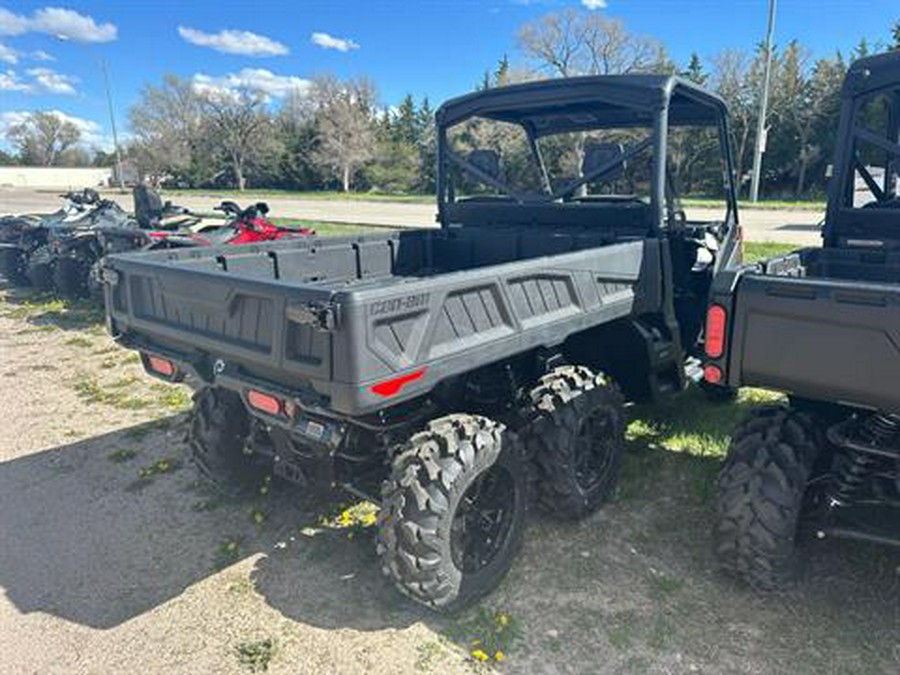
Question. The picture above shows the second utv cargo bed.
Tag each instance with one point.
(821, 320)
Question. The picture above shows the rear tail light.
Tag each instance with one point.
(712, 374)
(161, 366)
(716, 323)
(271, 405)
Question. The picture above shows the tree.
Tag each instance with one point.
(241, 124)
(573, 42)
(42, 137)
(344, 114)
(732, 81)
(694, 71)
(502, 73)
(895, 36)
(170, 138)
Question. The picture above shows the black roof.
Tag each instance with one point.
(871, 74)
(581, 103)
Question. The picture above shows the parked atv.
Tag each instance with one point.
(246, 226)
(73, 254)
(78, 253)
(22, 235)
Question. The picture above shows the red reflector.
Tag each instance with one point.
(264, 402)
(714, 339)
(712, 374)
(161, 366)
(391, 387)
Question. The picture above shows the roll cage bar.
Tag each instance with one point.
(582, 104)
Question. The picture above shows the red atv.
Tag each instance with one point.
(247, 226)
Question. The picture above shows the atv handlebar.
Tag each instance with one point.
(88, 196)
(253, 211)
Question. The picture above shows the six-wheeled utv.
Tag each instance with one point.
(443, 372)
(822, 325)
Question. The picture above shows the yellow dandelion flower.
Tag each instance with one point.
(499, 656)
(503, 620)
(479, 655)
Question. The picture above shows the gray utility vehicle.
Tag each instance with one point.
(823, 325)
(449, 366)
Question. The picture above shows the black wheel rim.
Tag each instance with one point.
(594, 449)
(483, 520)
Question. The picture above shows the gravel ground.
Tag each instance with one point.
(115, 558)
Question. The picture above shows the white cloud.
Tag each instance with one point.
(8, 54)
(234, 42)
(51, 82)
(9, 81)
(12, 24)
(91, 133)
(327, 41)
(43, 81)
(64, 23)
(260, 79)
(13, 56)
(594, 4)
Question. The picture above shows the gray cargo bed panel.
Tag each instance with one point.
(396, 307)
(824, 339)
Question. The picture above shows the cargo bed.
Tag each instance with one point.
(329, 319)
(821, 324)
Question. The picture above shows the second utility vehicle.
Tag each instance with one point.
(438, 371)
(823, 325)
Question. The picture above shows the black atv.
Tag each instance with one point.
(73, 255)
(21, 236)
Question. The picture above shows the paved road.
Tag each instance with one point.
(793, 227)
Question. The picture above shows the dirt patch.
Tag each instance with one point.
(115, 557)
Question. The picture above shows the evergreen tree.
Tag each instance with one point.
(695, 72)
(501, 74)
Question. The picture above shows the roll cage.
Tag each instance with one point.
(584, 104)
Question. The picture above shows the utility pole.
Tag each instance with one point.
(112, 122)
(109, 103)
(761, 129)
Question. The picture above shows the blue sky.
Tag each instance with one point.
(438, 48)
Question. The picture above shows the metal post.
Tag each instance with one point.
(758, 148)
(109, 103)
(112, 122)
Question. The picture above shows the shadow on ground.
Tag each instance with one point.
(800, 227)
(634, 587)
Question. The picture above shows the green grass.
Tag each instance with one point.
(47, 312)
(318, 195)
(681, 438)
(766, 204)
(754, 251)
(488, 635)
(123, 455)
(256, 655)
(327, 229)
